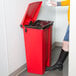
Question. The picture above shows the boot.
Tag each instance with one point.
(59, 63)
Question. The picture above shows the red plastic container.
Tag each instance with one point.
(38, 40)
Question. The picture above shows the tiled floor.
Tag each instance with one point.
(55, 54)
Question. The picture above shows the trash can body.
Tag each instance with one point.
(38, 45)
(38, 40)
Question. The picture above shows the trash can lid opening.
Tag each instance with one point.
(40, 24)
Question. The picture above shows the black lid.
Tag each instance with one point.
(40, 24)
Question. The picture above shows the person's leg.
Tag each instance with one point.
(65, 46)
(64, 53)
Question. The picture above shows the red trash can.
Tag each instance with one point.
(38, 40)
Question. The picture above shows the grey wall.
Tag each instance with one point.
(48, 13)
(14, 11)
(61, 23)
(3, 42)
(72, 52)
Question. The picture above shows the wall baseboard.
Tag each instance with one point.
(24, 67)
(19, 70)
(58, 44)
(53, 46)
